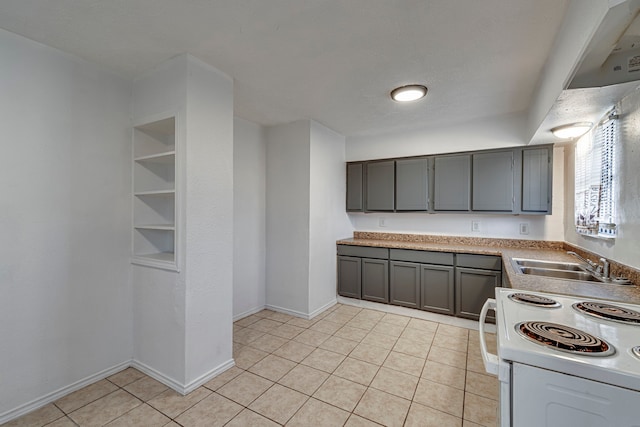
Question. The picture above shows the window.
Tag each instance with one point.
(595, 175)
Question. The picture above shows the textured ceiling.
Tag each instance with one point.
(333, 61)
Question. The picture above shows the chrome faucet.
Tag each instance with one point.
(590, 264)
(605, 268)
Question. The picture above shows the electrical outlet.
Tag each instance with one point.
(524, 228)
(382, 222)
(475, 226)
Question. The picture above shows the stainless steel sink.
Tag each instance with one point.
(562, 270)
(584, 276)
(548, 264)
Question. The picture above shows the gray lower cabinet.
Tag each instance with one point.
(349, 276)
(375, 280)
(437, 288)
(380, 186)
(404, 283)
(452, 182)
(473, 287)
(493, 181)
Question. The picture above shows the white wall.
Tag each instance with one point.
(209, 222)
(65, 296)
(328, 220)
(626, 247)
(497, 132)
(249, 213)
(288, 217)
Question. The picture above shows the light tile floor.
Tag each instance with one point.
(349, 366)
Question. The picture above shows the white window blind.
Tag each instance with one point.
(595, 181)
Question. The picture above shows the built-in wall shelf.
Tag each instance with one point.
(154, 194)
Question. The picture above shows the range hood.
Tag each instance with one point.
(613, 56)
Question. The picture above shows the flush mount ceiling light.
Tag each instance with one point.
(573, 130)
(408, 93)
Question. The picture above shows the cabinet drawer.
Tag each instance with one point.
(423, 257)
(486, 262)
(363, 251)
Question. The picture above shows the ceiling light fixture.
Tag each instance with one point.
(408, 93)
(573, 130)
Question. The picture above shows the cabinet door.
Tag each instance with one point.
(473, 287)
(412, 185)
(375, 280)
(437, 288)
(349, 276)
(354, 187)
(380, 186)
(452, 182)
(493, 181)
(536, 180)
(404, 283)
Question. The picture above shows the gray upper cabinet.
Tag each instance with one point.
(452, 182)
(493, 181)
(380, 186)
(412, 185)
(354, 187)
(536, 180)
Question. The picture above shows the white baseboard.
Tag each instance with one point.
(61, 392)
(287, 311)
(248, 313)
(323, 308)
(177, 386)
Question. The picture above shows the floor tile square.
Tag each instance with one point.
(423, 416)
(351, 333)
(317, 413)
(388, 329)
(248, 418)
(339, 318)
(395, 319)
(340, 392)
(272, 367)
(141, 416)
(326, 326)
(173, 404)
(339, 345)
(280, 317)
(264, 325)
(304, 379)
(279, 403)
(60, 422)
(287, 331)
(480, 410)
(302, 323)
(39, 417)
(444, 374)
(310, 337)
(423, 325)
(246, 321)
(105, 409)
(404, 363)
(383, 408)
(247, 335)
(268, 343)
(212, 411)
(369, 353)
(396, 383)
(412, 348)
(223, 378)
(380, 340)
(357, 371)
(357, 421)
(366, 324)
(294, 351)
(146, 388)
(483, 385)
(440, 396)
(453, 358)
(245, 388)
(88, 394)
(451, 342)
(418, 335)
(246, 357)
(453, 331)
(125, 377)
(323, 360)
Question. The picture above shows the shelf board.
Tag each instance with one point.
(155, 193)
(170, 227)
(162, 260)
(161, 256)
(165, 157)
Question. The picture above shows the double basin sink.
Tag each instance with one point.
(563, 270)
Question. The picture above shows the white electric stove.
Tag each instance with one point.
(564, 361)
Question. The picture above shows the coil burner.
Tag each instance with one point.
(536, 300)
(636, 351)
(564, 338)
(608, 312)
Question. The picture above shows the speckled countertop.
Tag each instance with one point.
(508, 249)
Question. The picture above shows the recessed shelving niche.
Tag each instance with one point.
(154, 194)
